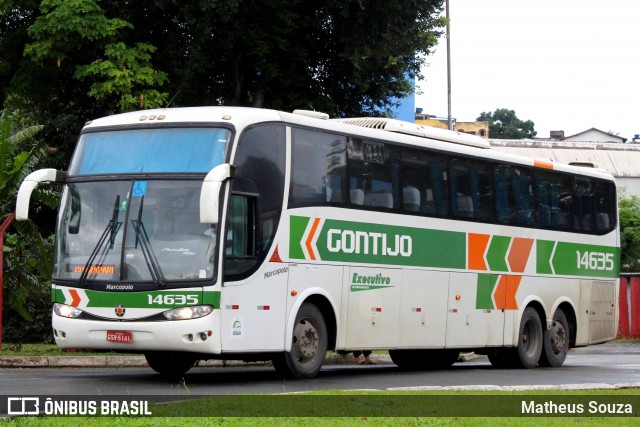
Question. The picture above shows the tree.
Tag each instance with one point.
(629, 212)
(69, 61)
(504, 124)
(28, 257)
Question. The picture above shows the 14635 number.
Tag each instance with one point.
(595, 261)
(172, 299)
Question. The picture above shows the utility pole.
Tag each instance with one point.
(449, 119)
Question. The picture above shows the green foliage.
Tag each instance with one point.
(28, 257)
(15, 163)
(67, 25)
(629, 207)
(126, 72)
(504, 124)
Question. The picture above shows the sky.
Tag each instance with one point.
(564, 64)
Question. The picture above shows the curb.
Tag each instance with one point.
(140, 362)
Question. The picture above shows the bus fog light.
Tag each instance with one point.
(203, 336)
(184, 313)
(65, 310)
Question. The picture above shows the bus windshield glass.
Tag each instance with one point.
(133, 231)
(145, 150)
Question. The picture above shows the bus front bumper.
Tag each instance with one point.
(194, 335)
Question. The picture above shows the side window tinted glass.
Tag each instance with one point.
(605, 206)
(318, 169)
(514, 195)
(553, 200)
(471, 190)
(424, 183)
(260, 169)
(583, 207)
(374, 176)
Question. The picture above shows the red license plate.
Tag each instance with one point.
(119, 336)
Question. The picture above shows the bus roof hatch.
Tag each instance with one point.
(392, 125)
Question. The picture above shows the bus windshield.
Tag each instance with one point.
(133, 231)
(172, 150)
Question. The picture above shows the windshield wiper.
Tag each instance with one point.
(147, 251)
(111, 230)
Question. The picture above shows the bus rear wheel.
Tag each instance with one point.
(170, 364)
(529, 348)
(417, 360)
(556, 341)
(308, 347)
(530, 340)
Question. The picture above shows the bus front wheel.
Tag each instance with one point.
(308, 347)
(170, 364)
(556, 341)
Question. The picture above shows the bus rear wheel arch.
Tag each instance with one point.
(528, 351)
(308, 347)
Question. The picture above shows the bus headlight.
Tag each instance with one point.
(184, 313)
(65, 310)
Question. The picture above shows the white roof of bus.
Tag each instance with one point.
(244, 116)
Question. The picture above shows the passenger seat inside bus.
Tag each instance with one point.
(411, 199)
(357, 196)
(380, 199)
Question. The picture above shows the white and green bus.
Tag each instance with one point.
(250, 234)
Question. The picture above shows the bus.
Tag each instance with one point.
(201, 233)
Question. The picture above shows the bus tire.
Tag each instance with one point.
(556, 341)
(308, 347)
(530, 339)
(419, 360)
(170, 364)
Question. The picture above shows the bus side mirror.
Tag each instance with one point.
(29, 184)
(210, 193)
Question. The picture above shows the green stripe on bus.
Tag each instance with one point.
(577, 259)
(298, 225)
(359, 242)
(497, 253)
(150, 299)
(486, 286)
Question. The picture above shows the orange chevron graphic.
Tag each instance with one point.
(75, 298)
(476, 250)
(505, 294)
(519, 254)
(307, 242)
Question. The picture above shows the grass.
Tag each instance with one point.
(174, 413)
(48, 350)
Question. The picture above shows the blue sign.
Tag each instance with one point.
(139, 188)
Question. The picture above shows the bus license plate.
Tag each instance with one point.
(119, 336)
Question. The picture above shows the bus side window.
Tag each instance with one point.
(318, 169)
(471, 190)
(374, 169)
(240, 238)
(424, 182)
(514, 195)
(583, 216)
(553, 200)
(260, 170)
(605, 204)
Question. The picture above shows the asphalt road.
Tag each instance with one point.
(602, 366)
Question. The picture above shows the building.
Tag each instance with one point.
(474, 128)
